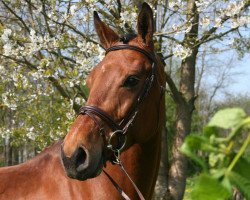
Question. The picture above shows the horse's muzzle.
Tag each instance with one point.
(79, 165)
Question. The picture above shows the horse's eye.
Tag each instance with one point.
(131, 81)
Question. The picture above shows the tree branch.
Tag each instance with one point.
(62, 91)
(174, 91)
(207, 34)
(169, 37)
(30, 65)
(19, 18)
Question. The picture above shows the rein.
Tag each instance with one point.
(120, 129)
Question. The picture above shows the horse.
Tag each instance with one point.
(112, 149)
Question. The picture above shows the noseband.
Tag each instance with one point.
(120, 129)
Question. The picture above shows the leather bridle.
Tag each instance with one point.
(120, 129)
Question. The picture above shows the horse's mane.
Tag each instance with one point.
(128, 37)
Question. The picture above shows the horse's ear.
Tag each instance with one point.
(107, 35)
(145, 24)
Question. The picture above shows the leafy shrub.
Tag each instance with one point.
(222, 151)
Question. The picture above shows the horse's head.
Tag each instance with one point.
(123, 90)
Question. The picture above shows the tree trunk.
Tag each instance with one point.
(25, 153)
(8, 152)
(9, 160)
(184, 99)
(161, 183)
(237, 195)
(178, 169)
(15, 159)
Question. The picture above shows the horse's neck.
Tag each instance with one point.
(141, 161)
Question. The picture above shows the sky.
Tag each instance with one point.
(242, 81)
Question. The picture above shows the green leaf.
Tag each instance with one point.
(210, 130)
(242, 183)
(226, 183)
(227, 118)
(242, 167)
(218, 173)
(185, 149)
(199, 142)
(208, 188)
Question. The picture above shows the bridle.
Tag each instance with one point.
(120, 129)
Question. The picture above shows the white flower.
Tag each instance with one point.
(72, 9)
(102, 52)
(233, 8)
(234, 23)
(81, 45)
(69, 115)
(181, 52)
(78, 100)
(5, 98)
(15, 78)
(128, 17)
(217, 23)
(175, 4)
(7, 48)
(31, 134)
(125, 16)
(2, 70)
(12, 106)
(188, 27)
(202, 4)
(33, 35)
(71, 84)
(240, 21)
(205, 21)
(5, 36)
(24, 82)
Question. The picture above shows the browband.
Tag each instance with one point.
(131, 47)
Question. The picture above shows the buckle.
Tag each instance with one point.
(116, 141)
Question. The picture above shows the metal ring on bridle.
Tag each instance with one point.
(121, 141)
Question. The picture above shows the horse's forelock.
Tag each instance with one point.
(127, 37)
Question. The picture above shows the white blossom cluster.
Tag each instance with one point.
(9, 100)
(128, 16)
(35, 43)
(203, 4)
(181, 52)
(176, 5)
(231, 9)
(222, 15)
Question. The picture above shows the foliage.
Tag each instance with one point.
(222, 150)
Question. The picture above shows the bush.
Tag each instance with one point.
(221, 151)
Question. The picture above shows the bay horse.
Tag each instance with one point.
(112, 149)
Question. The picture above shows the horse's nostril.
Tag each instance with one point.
(81, 159)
